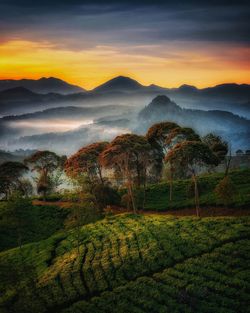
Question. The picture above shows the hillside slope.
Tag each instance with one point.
(42, 85)
(144, 263)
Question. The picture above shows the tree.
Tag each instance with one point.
(218, 146)
(25, 187)
(175, 136)
(192, 154)
(45, 163)
(225, 190)
(10, 177)
(86, 160)
(128, 153)
(163, 136)
(158, 133)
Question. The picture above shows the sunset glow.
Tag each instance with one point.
(197, 65)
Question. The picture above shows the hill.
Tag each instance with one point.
(144, 263)
(120, 83)
(230, 126)
(43, 85)
(157, 195)
(18, 100)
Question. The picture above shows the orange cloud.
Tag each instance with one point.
(163, 65)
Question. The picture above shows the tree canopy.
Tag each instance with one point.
(86, 160)
(45, 163)
(10, 174)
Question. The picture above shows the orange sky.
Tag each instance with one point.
(196, 65)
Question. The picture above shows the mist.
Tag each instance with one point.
(65, 123)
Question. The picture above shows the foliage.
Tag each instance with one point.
(10, 175)
(106, 195)
(35, 222)
(45, 163)
(184, 198)
(86, 160)
(217, 145)
(144, 263)
(25, 187)
(225, 190)
(131, 154)
(192, 153)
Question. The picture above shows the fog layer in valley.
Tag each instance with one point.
(65, 122)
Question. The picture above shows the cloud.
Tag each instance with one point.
(83, 24)
(87, 42)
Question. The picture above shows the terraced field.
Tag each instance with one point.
(133, 263)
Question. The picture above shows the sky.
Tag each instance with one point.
(168, 43)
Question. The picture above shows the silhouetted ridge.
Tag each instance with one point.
(120, 83)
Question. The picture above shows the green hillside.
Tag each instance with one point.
(41, 222)
(157, 195)
(133, 263)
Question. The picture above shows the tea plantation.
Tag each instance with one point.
(133, 263)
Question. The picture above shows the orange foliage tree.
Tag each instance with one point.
(130, 154)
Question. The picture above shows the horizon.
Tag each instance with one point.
(128, 77)
(88, 42)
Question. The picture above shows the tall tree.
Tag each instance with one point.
(86, 161)
(192, 154)
(127, 152)
(157, 136)
(175, 136)
(45, 163)
(10, 177)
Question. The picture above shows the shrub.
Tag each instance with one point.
(225, 190)
(105, 195)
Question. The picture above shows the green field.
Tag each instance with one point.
(133, 263)
(157, 195)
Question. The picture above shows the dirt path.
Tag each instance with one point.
(205, 212)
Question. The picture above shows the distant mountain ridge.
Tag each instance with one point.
(223, 123)
(20, 99)
(43, 85)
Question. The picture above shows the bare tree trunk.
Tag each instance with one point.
(196, 195)
(100, 175)
(171, 184)
(132, 196)
(228, 162)
(129, 180)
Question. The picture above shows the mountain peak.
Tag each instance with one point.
(161, 100)
(159, 107)
(119, 83)
(187, 88)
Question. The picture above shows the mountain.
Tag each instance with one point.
(120, 83)
(18, 100)
(43, 85)
(18, 94)
(230, 126)
(229, 90)
(123, 91)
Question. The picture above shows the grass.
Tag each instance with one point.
(43, 221)
(133, 263)
(157, 195)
